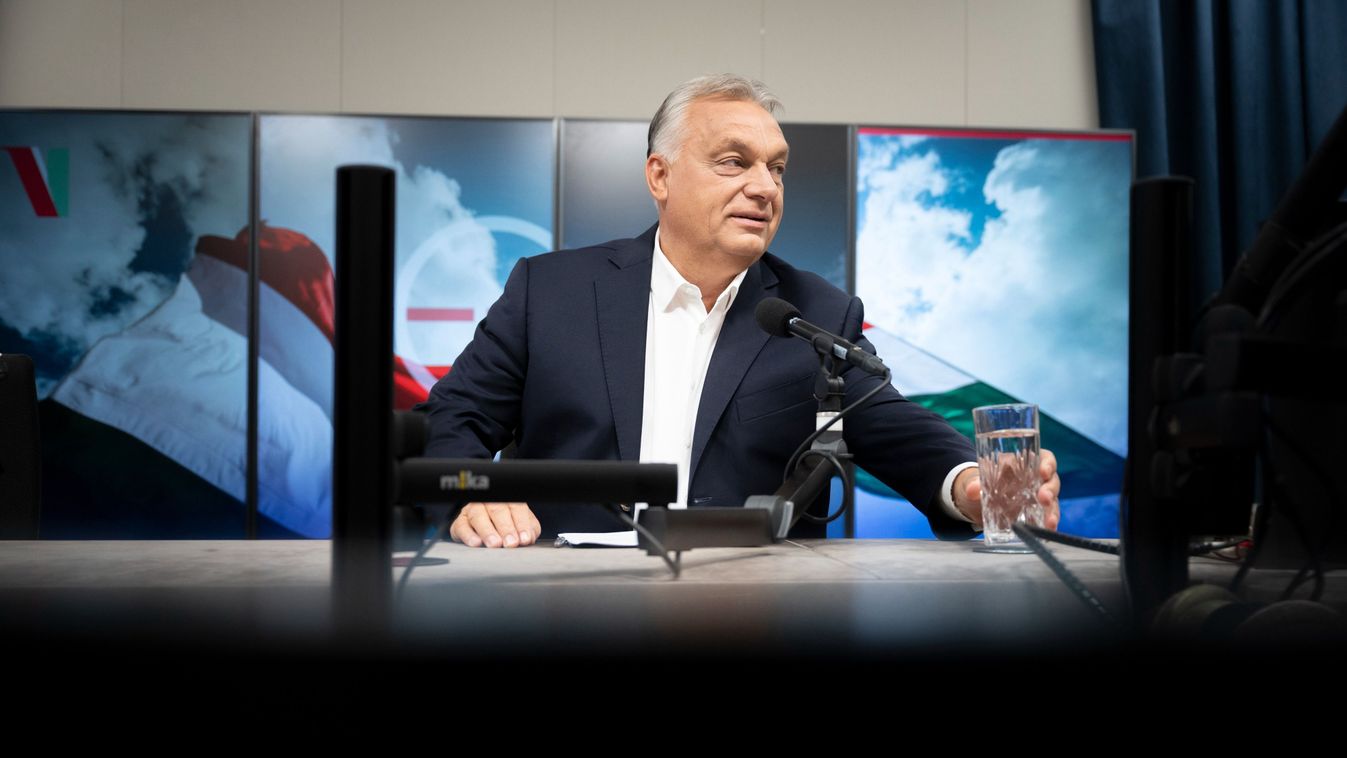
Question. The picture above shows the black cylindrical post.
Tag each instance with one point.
(362, 458)
(1154, 538)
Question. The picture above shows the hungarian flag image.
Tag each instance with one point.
(1091, 473)
(153, 419)
(175, 382)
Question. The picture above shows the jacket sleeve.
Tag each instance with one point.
(473, 411)
(906, 446)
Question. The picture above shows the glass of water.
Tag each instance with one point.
(1007, 448)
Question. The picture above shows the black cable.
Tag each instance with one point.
(809, 441)
(1216, 555)
(1310, 463)
(1100, 546)
(1211, 547)
(1069, 579)
(1262, 515)
(1335, 504)
(1287, 506)
(1296, 581)
(846, 487)
(1260, 521)
(675, 565)
(1070, 539)
(1312, 556)
(1299, 273)
(425, 548)
(1278, 493)
(805, 449)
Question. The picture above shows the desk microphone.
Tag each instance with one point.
(781, 319)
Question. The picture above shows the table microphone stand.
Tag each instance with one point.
(765, 519)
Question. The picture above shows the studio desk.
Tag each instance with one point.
(823, 597)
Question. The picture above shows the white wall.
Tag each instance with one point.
(947, 62)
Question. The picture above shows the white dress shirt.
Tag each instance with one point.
(680, 336)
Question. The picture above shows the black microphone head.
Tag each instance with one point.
(774, 315)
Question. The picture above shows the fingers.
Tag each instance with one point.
(974, 490)
(525, 522)
(1051, 491)
(495, 525)
(461, 530)
(1047, 464)
(1048, 495)
(968, 495)
(1052, 488)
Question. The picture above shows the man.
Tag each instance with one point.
(647, 349)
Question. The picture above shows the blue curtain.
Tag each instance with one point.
(1235, 94)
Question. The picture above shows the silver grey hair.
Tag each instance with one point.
(666, 128)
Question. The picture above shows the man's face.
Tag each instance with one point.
(722, 197)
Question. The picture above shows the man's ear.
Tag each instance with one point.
(657, 177)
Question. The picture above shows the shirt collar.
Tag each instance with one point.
(665, 282)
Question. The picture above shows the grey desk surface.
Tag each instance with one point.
(205, 563)
(867, 593)
(761, 639)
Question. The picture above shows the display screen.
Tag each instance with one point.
(994, 269)
(135, 328)
(473, 196)
(993, 266)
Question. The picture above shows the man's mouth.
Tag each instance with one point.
(753, 219)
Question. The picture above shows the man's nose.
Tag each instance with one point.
(762, 182)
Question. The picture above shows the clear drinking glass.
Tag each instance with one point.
(1007, 448)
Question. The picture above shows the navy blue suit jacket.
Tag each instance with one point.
(558, 366)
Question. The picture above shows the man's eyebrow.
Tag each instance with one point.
(734, 144)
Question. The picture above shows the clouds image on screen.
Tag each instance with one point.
(300, 155)
(72, 280)
(1024, 287)
(453, 253)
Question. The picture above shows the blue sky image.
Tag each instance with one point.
(1006, 258)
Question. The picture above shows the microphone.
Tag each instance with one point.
(781, 319)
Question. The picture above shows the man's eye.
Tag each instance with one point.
(779, 169)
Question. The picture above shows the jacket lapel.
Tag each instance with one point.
(740, 341)
(622, 300)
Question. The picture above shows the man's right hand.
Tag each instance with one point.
(495, 525)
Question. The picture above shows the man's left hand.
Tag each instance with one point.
(968, 492)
